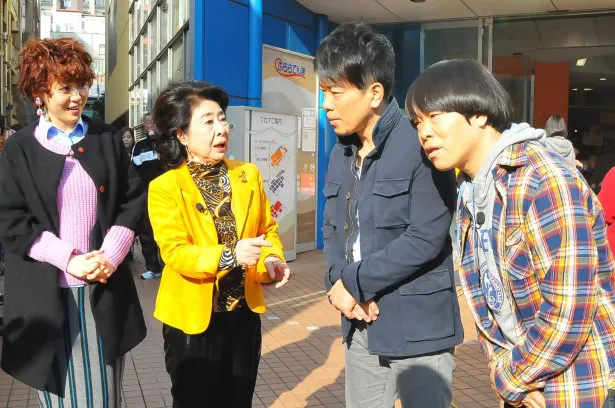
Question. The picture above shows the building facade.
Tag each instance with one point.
(85, 21)
(19, 22)
(532, 48)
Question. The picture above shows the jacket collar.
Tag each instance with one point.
(513, 156)
(382, 130)
(242, 190)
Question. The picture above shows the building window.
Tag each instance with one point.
(153, 29)
(144, 97)
(146, 46)
(164, 16)
(137, 61)
(137, 16)
(164, 70)
(179, 14)
(154, 62)
(155, 83)
(177, 51)
(65, 4)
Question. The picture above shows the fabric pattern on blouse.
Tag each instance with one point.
(214, 184)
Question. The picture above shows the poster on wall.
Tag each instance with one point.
(290, 86)
(273, 149)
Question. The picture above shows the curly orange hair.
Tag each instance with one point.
(44, 62)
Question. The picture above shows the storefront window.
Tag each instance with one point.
(177, 51)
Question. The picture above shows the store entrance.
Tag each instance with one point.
(565, 67)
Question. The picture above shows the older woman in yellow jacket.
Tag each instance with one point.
(212, 222)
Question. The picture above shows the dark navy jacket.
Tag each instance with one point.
(405, 208)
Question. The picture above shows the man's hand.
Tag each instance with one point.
(533, 399)
(341, 299)
(248, 250)
(367, 311)
(278, 271)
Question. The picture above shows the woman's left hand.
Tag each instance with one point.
(104, 271)
(278, 271)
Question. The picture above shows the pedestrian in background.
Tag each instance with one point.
(219, 242)
(128, 139)
(557, 130)
(69, 203)
(149, 166)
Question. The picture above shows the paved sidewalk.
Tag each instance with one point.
(302, 358)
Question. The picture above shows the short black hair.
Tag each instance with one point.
(173, 111)
(353, 53)
(462, 86)
(556, 126)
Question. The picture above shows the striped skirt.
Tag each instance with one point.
(79, 367)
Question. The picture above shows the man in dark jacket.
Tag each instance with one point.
(386, 233)
(145, 158)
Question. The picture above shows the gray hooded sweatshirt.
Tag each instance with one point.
(478, 196)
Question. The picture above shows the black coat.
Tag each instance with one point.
(33, 308)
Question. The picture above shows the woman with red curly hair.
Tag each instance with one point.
(69, 203)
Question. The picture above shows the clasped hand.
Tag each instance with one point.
(533, 399)
(93, 267)
(343, 301)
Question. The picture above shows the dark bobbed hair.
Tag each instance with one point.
(462, 86)
(173, 111)
(354, 54)
(556, 126)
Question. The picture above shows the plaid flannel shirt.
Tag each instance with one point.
(549, 242)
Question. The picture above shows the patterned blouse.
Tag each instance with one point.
(214, 185)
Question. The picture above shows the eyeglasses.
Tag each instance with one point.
(69, 90)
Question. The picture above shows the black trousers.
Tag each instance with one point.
(216, 368)
(149, 248)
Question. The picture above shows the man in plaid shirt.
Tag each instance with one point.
(534, 261)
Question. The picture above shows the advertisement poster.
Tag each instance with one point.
(290, 86)
(273, 148)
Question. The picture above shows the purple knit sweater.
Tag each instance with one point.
(77, 204)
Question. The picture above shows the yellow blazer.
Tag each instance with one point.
(189, 245)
